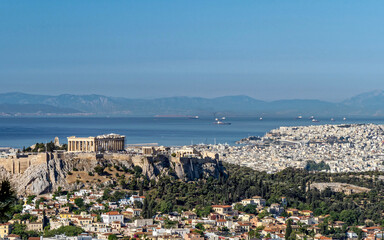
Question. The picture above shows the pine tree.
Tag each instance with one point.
(7, 200)
(288, 231)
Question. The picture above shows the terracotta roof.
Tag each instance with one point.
(13, 235)
(34, 238)
(221, 206)
(112, 213)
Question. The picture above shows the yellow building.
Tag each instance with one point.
(5, 229)
(222, 209)
(307, 213)
(292, 211)
(65, 215)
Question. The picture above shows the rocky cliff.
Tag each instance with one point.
(73, 171)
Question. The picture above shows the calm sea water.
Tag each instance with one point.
(19, 132)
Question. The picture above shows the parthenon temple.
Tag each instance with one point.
(109, 142)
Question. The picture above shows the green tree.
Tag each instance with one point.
(288, 231)
(200, 226)
(79, 202)
(67, 230)
(99, 170)
(7, 200)
(112, 237)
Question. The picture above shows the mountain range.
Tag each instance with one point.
(369, 104)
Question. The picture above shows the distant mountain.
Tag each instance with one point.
(367, 104)
(7, 109)
(370, 103)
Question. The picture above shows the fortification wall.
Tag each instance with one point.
(117, 156)
(19, 163)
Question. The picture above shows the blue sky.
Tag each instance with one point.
(324, 49)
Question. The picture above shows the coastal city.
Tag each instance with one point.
(344, 148)
(196, 120)
(91, 196)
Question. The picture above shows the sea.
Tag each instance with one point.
(167, 131)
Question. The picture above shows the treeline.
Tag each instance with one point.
(170, 194)
(314, 166)
(42, 147)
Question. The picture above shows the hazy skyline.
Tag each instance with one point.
(328, 50)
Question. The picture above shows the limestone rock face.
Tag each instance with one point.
(47, 177)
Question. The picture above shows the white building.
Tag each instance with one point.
(110, 217)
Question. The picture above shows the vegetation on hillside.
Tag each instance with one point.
(170, 194)
(8, 201)
(314, 166)
(42, 147)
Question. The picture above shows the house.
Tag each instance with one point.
(116, 225)
(135, 212)
(64, 209)
(65, 215)
(307, 213)
(124, 201)
(113, 205)
(222, 209)
(55, 224)
(113, 216)
(135, 198)
(268, 220)
(246, 202)
(221, 222)
(243, 226)
(82, 193)
(83, 221)
(292, 211)
(5, 229)
(259, 201)
(13, 237)
(189, 215)
(35, 226)
(27, 208)
(98, 206)
(352, 235)
(143, 222)
(193, 236)
(275, 208)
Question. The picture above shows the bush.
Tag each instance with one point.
(70, 231)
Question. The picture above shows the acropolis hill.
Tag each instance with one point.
(38, 173)
(342, 148)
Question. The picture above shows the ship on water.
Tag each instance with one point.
(218, 122)
(299, 117)
(193, 117)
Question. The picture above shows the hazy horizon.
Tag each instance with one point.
(180, 96)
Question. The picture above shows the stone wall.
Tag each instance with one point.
(20, 162)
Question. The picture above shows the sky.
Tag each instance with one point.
(266, 49)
